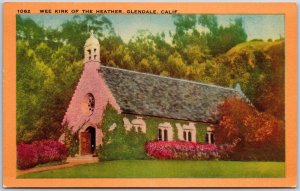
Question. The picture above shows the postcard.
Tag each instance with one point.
(149, 95)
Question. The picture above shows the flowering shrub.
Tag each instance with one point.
(184, 150)
(49, 150)
(226, 150)
(39, 152)
(26, 156)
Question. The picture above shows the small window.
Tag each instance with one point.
(89, 51)
(165, 132)
(206, 137)
(91, 103)
(95, 57)
(187, 135)
(184, 135)
(165, 135)
(88, 104)
(190, 136)
(159, 134)
(95, 50)
(212, 138)
(90, 57)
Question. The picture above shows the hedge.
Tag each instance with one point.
(180, 150)
(40, 152)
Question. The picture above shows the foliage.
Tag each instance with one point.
(119, 144)
(49, 150)
(46, 79)
(275, 96)
(43, 90)
(189, 42)
(40, 152)
(75, 31)
(29, 31)
(34, 82)
(201, 132)
(180, 150)
(49, 64)
(220, 39)
(27, 156)
(255, 135)
(261, 74)
(71, 141)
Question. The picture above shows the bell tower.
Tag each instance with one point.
(92, 49)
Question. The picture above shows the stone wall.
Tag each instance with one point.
(90, 82)
(175, 128)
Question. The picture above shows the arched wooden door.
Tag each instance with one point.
(85, 143)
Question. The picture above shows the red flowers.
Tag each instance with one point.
(26, 156)
(182, 150)
(39, 152)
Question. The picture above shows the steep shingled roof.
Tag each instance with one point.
(148, 94)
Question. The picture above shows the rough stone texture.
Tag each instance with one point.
(147, 94)
(90, 82)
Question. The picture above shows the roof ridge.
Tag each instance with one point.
(171, 78)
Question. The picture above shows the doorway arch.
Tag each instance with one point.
(92, 131)
(88, 141)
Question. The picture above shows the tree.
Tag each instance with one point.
(35, 81)
(189, 42)
(209, 21)
(220, 39)
(183, 23)
(29, 31)
(75, 31)
(175, 65)
(149, 52)
(109, 46)
(256, 135)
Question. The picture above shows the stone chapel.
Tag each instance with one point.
(139, 94)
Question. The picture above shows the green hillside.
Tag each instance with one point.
(267, 62)
(251, 46)
(274, 50)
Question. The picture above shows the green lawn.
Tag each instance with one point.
(164, 169)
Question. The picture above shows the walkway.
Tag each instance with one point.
(71, 161)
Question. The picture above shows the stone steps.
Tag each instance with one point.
(87, 158)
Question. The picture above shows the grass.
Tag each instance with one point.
(253, 45)
(54, 163)
(167, 169)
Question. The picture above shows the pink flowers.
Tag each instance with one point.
(39, 152)
(26, 156)
(180, 150)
